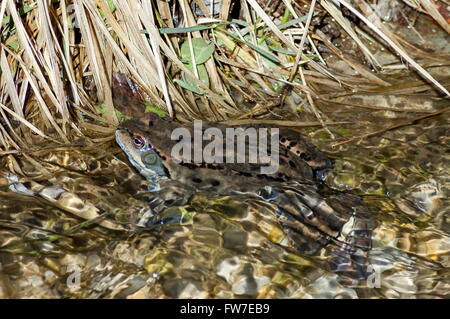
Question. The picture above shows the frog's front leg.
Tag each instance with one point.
(170, 194)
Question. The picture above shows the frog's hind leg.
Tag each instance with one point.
(350, 258)
(312, 220)
(304, 237)
(304, 203)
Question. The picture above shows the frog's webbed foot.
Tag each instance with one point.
(312, 220)
(350, 258)
(306, 231)
(171, 194)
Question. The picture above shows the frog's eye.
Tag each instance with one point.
(139, 141)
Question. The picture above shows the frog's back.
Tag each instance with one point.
(297, 159)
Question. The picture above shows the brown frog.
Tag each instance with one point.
(310, 213)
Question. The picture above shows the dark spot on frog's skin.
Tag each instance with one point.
(215, 182)
(292, 144)
(305, 157)
(169, 202)
(166, 171)
(189, 165)
(283, 139)
(292, 164)
(280, 177)
(196, 180)
(214, 166)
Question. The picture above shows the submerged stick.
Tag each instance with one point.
(403, 123)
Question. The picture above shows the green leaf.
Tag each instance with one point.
(102, 108)
(285, 17)
(22, 12)
(202, 74)
(283, 51)
(122, 117)
(184, 30)
(263, 45)
(264, 53)
(242, 23)
(151, 108)
(203, 50)
(294, 22)
(194, 88)
(26, 9)
(111, 8)
(14, 46)
(111, 5)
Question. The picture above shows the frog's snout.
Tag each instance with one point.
(122, 136)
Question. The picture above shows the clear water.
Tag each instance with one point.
(229, 247)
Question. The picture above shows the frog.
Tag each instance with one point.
(310, 213)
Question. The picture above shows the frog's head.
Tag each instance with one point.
(136, 137)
